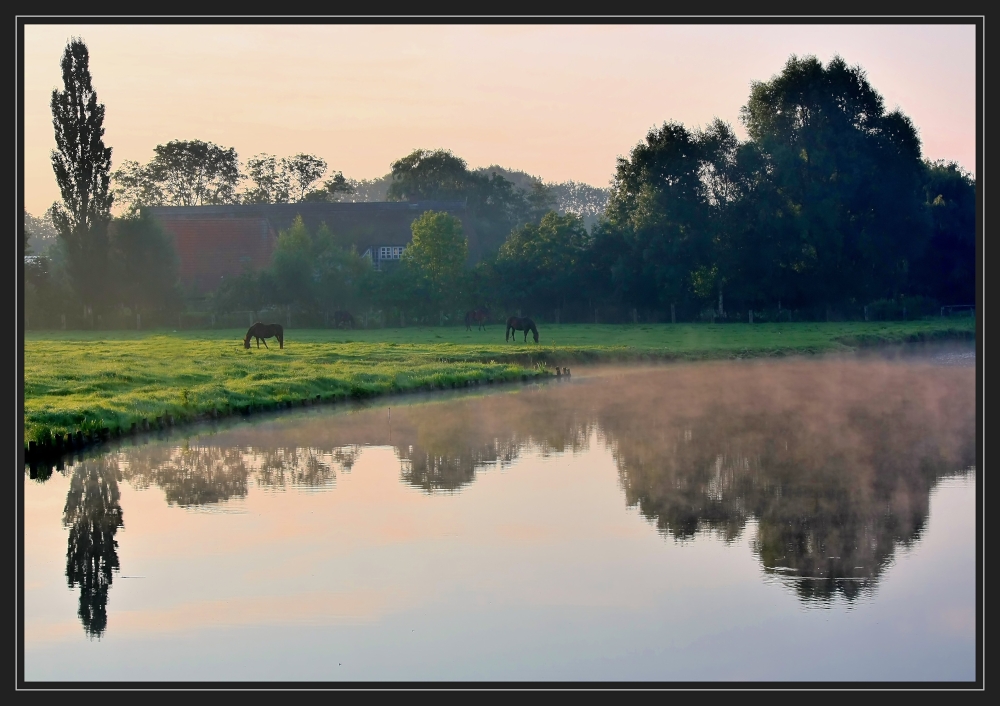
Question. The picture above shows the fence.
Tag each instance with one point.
(882, 310)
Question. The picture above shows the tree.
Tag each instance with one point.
(850, 176)
(293, 265)
(656, 235)
(333, 189)
(303, 171)
(195, 173)
(136, 187)
(145, 264)
(82, 165)
(429, 175)
(494, 204)
(271, 182)
(538, 266)
(437, 254)
(947, 269)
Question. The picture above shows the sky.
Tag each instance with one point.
(562, 102)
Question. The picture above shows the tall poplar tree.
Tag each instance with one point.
(82, 166)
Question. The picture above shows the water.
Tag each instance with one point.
(791, 520)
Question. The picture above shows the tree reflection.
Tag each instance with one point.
(831, 463)
(93, 515)
(835, 478)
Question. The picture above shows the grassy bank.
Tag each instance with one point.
(83, 381)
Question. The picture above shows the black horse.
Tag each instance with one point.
(343, 318)
(479, 315)
(517, 323)
(263, 331)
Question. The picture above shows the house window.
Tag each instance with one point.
(390, 252)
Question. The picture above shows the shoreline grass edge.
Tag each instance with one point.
(116, 411)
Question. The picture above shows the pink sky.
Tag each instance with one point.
(558, 101)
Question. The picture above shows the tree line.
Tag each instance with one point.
(826, 209)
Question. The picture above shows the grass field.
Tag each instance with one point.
(83, 381)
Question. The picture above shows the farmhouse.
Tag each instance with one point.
(216, 242)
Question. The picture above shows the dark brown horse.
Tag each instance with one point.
(479, 315)
(517, 323)
(263, 331)
(343, 318)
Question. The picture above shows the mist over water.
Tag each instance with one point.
(613, 489)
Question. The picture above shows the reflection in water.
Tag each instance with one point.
(832, 461)
(93, 515)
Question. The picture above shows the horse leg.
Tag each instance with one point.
(265, 344)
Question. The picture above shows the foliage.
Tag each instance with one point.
(538, 266)
(495, 205)
(195, 173)
(303, 170)
(849, 173)
(271, 183)
(145, 265)
(334, 189)
(82, 165)
(946, 271)
(309, 272)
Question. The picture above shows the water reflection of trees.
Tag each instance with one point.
(192, 475)
(831, 463)
(93, 514)
(836, 472)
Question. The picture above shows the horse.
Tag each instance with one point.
(342, 317)
(263, 331)
(517, 323)
(479, 315)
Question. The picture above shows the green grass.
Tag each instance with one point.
(87, 380)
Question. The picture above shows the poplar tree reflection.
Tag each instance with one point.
(93, 515)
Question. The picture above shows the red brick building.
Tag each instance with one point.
(211, 249)
(216, 242)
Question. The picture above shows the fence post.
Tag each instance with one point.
(138, 322)
(635, 316)
(866, 312)
(673, 316)
(213, 320)
(595, 315)
(62, 318)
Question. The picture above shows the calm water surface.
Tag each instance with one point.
(792, 520)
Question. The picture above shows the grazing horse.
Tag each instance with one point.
(263, 331)
(516, 323)
(343, 317)
(479, 315)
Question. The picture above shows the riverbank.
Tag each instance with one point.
(84, 387)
